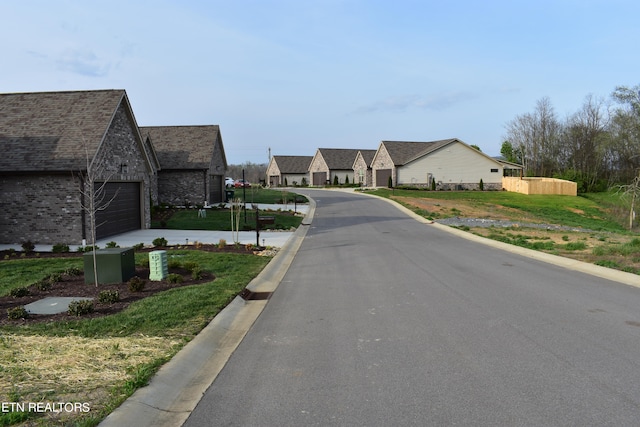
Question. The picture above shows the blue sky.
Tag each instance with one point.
(297, 75)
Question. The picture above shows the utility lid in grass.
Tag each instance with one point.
(52, 305)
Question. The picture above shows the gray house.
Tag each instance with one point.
(449, 164)
(288, 170)
(192, 163)
(53, 144)
(331, 163)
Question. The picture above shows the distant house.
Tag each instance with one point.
(362, 171)
(331, 163)
(288, 170)
(448, 164)
(192, 163)
(51, 143)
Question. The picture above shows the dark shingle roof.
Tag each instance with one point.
(183, 147)
(48, 131)
(339, 158)
(293, 164)
(402, 152)
(368, 156)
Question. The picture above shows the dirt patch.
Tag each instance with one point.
(470, 209)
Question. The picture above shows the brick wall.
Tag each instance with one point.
(179, 187)
(43, 209)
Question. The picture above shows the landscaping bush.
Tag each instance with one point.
(222, 244)
(108, 296)
(174, 263)
(22, 291)
(138, 247)
(16, 313)
(28, 246)
(174, 278)
(196, 273)
(136, 284)
(80, 307)
(160, 242)
(60, 248)
(112, 244)
(190, 265)
(73, 271)
(43, 285)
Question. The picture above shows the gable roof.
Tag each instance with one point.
(367, 156)
(293, 164)
(185, 147)
(339, 158)
(402, 152)
(49, 131)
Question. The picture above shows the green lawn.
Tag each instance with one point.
(220, 219)
(588, 211)
(267, 195)
(163, 323)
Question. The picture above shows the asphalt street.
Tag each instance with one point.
(384, 320)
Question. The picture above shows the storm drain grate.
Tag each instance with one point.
(248, 295)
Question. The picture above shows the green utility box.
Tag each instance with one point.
(115, 265)
(158, 266)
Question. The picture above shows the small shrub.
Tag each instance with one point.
(87, 248)
(80, 307)
(73, 271)
(222, 244)
(108, 296)
(174, 263)
(28, 246)
(112, 244)
(16, 313)
(43, 285)
(138, 247)
(174, 278)
(160, 242)
(136, 284)
(20, 292)
(565, 238)
(190, 265)
(481, 185)
(54, 277)
(60, 248)
(196, 273)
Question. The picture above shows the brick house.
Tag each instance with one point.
(288, 170)
(329, 163)
(450, 163)
(53, 143)
(192, 163)
(362, 171)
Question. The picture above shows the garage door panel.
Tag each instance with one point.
(122, 213)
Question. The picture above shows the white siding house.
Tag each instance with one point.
(451, 163)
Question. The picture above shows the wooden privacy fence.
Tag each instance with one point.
(534, 185)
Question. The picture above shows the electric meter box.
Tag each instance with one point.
(158, 266)
(114, 265)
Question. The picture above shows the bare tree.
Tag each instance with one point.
(584, 144)
(537, 135)
(93, 198)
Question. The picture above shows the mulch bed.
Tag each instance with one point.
(74, 286)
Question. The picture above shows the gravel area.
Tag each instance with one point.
(480, 222)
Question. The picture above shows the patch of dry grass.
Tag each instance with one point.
(73, 369)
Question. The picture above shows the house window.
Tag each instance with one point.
(494, 170)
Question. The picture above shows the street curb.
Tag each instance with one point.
(584, 267)
(178, 386)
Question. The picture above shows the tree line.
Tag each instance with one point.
(253, 172)
(598, 146)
